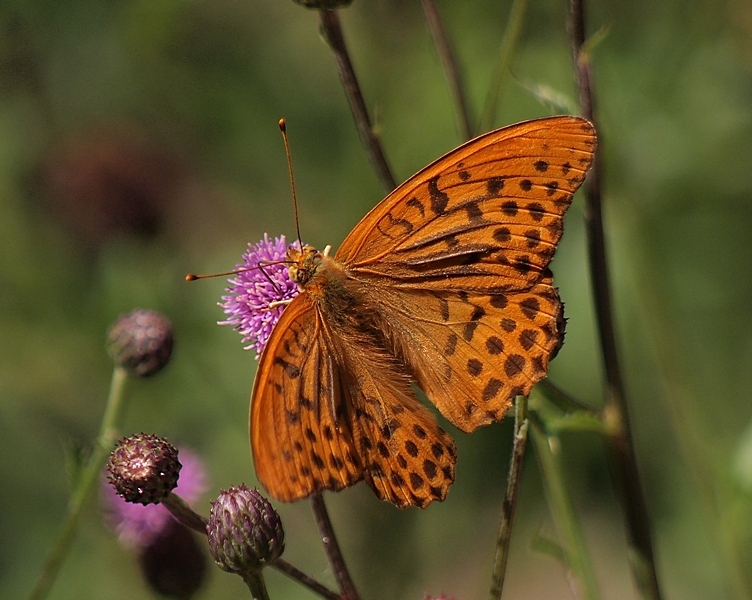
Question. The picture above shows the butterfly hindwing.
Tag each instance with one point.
(473, 353)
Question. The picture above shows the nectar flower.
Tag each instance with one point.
(139, 526)
(251, 292)
(245, 532)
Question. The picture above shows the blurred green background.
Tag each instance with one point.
(139, 141)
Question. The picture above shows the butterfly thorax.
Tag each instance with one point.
(325, 280)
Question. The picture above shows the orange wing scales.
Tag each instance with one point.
(480, 211)
(445, 283)
(407, 458)
(336, 409)
(472, 354)
(299, 445)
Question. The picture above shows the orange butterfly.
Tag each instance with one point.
(446, 284)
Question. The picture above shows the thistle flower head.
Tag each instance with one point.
(245, 532)
(139, 526)
(144, 468)
(140, 342)
(248, 303)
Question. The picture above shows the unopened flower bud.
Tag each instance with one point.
(245, 532)
(173, 563)
(141, 342)
(144, 468)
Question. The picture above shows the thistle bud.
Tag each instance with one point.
(245, 532)
(173, 563)
(144, 468)
(140, 342)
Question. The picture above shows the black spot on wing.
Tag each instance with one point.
(291, 370)
(439, 199)
(415, 203)
(495, 185)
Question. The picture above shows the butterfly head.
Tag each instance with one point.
(304, 262)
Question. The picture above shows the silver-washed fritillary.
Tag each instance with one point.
(445, 283)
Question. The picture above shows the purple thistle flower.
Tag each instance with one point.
(251, 292)
(137, 525)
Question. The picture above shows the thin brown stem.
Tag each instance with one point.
(514, 478)
(449, 62)
(332, 31)
(185, 514)
(623, 459)
(256, 585)
(304, 579)
(337, 561)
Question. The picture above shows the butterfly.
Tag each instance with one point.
(444, 285)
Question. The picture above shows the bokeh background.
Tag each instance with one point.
(139, 141)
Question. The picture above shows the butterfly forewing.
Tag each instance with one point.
(299, 445)
(486, 216)
(331, 406)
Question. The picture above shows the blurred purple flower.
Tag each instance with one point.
(251, 291)
(137, 525)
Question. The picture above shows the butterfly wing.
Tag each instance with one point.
(486, 217)
(299, 443)
(455, 264)
(330, 408)
(407, 458)
(472, 354)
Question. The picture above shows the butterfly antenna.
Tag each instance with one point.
(260, 266)
(283, 129)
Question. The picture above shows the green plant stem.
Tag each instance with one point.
(514, 479)
(86, 482)
(623, 461)
(255, 583)
(332, 31)
(336, 560)
(449, 63)
(547, 451)
(508, 44)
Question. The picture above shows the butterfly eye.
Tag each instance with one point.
(295, 273)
